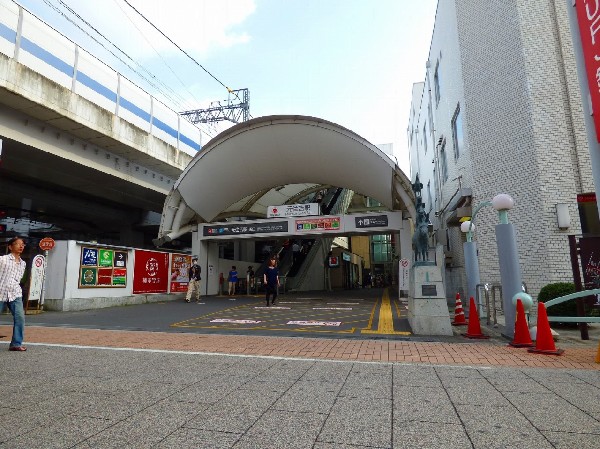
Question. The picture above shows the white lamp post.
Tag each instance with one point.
(508, 259)
(471, 261)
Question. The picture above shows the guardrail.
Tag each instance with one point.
(35, 44)
(574, 319)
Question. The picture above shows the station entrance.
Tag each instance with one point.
(225, 192)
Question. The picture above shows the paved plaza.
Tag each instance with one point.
(85, 386)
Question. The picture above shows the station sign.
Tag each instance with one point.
(371, 221)
(244, 229)
(293, 210)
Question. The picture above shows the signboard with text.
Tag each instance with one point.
(247, 228)
(320, 224)
(38, 270)
(371, 221)
(102, 267)
(180, 264)
(150, 272)
(588, 15)
(293, 210)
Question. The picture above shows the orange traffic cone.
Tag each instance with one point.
(522, 337)
(474, 329)
(598, 354)
(459, 313)
(544, 343)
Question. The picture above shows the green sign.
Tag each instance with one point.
(119, 280)
(105, 258)
(88, 276)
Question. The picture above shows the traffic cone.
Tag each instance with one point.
(522, 337)
(598, 354)
(474, 329)
(544, 343)
(459, 313)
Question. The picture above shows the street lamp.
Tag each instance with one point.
(471, 261)
(470, 253)
(508, 259)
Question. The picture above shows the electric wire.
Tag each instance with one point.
(182, 50)
(150, 83)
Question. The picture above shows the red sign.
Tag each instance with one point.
(586, 198)
(46, 244)
(180, 264)
(588, 13)
(150, 272)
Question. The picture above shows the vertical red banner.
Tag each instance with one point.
(588, 18)
(150, 272)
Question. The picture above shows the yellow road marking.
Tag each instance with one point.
(386, 319)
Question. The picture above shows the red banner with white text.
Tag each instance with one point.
(150, 272)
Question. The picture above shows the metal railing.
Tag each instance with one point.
(489, 291)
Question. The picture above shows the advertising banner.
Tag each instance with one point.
(588, 14)
(180, 264)
(150, 272)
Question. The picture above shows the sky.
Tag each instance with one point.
(351, 62)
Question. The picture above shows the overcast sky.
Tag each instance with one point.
(352, 62)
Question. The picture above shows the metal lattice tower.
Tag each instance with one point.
(236, 109)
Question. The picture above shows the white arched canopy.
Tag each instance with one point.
(275, 159)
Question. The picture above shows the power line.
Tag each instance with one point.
(180, 49)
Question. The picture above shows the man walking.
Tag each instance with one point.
(194, 282)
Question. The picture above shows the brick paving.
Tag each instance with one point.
(493, 354)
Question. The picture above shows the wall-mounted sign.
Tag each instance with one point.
(246, 228)
(46, 244)
(293, 210)
(347, 257)
(429, 290)
(102, 267)
(371, 221)
(150, 272)
(318, 224)
(180, 265)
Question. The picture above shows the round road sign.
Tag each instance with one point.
(46, 244)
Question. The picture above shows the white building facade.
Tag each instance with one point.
(500, 112)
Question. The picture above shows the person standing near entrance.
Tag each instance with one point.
(232, 279)
(271, 281)
(12, 268)
(194, 280)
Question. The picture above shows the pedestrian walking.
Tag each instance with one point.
(232, 278)
(271, 281)
(194, 280)
(12, 269)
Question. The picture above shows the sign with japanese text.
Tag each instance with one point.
(588, 15)
(150, 272)
(589, 248)
(38, 271)
(180, 264)
(318, 224)
(293, 210)
(403, 274)
(247, 228)
(102, 267)
(371, 221)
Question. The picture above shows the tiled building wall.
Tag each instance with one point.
(511, 67)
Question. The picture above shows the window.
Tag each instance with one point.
(382, 248)
(443, 162)
(425, 137)
(436, 84)
(457, 132)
